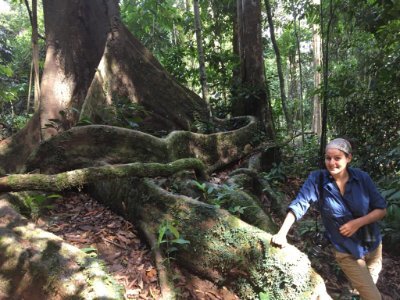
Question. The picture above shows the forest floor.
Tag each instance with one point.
(83, 222)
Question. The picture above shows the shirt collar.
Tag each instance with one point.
(353, 174)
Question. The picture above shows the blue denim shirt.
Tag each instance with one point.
(361, 196)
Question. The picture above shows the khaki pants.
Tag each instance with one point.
(362, 273)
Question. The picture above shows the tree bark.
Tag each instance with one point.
(325, 47)
(252, 66)
(76, 33)
(316, 120)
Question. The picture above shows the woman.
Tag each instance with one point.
(350, 207)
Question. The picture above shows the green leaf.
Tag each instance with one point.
(54, 196)
(173, 230)
(172, 249)
(84, 121)
(180, 241)
(89, 250)
(263, 296)
(161, 233)
(6, 70)
(394, 196)
(201, 186)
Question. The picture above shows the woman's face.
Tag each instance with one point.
(336, 161)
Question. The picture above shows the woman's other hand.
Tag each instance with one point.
(349, 228)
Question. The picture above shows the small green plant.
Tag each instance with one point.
(264, 296)
(170, 238)
(223, 194)
(276, 174)
(84, 121)
(122, 112)
(238, 210)
(206, 191)
(35, 204)
(91, 251)
(66, 120)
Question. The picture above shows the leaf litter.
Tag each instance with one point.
(87, 224)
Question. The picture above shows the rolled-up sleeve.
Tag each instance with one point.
(307, 195)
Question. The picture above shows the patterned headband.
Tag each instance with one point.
(340, 144)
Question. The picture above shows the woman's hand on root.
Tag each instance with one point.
(279, 240)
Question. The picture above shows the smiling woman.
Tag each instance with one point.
(349, 204)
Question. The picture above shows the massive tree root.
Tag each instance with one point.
(96, 145)
(37, 265)
(82, 177)
(222, 248)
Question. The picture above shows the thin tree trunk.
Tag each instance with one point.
(316, 119)
(35, 54)
(292, 89)
(28, 100)
(285, 108)
(35, 50)
(199, 40)
(300, 77)
(325, 47)
(187, 5)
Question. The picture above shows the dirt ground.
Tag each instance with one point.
(83, 222)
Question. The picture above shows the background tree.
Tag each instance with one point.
(199, 40)
(252, 66)
(285, 108)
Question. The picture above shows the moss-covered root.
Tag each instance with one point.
(243, 204)
(222, 248)
(35, 264)
(81, 177)
(231, 252)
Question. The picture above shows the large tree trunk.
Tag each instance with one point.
(92, 60)
(252, 73)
